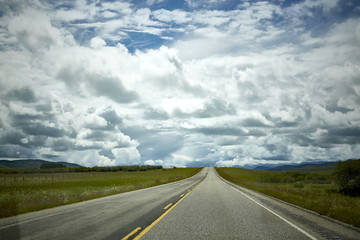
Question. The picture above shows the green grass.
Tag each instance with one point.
(313, 191)
(23, 193)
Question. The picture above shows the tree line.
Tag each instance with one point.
(61, 168)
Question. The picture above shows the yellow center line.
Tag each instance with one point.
(143, 232)
(181, 195)
(132, 233)
(167, 206)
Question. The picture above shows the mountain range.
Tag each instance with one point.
(31, 164)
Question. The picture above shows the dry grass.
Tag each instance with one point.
(31, 192)
(318, 197)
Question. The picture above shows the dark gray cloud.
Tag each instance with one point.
(96, 135)
(229, 131)
(23, 94)
(39, 129)
(287, 124)
(16, 151)
(335, 108)
(107, 153)
(62, 145)
(21, 120)
(230, 141)
(155, 114)
(159, 146)
(45, 109)
(17, 137)
(221, 131)
(111, 117)
(155, 145)
(34, 123)
(213, 108)
(12, 137)
(112, 88)
(251, 122)
(300, 139)
(333, 136)
(99, 85)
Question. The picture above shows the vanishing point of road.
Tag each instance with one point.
(204, 206)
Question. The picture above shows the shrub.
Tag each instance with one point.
(347, 175)
(51, 165)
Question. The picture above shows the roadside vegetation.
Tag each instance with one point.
(24, 192)
(335, 194)
(61, 168)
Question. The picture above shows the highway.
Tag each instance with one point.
(201, 207)
(217, 209)
(111, 217)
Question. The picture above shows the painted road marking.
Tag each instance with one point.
(34, 219)
(288, 222)
(182, 195)
(132, 233)
(167, 206)
(143, 232)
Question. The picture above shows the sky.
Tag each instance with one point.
(183, 83)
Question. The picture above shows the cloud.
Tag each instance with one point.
(23, 94)
(111, 88)
(88, 81)
(34, 31)
(154, 163)
(97, 42)
(213, 108)
(176, 16)
(235, 162)
(126, 156)
(205, 83)
(111, 117)
(155, 146)
(156, 114)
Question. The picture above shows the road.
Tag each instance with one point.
(202, 207)
(111, 217)
(217, 209)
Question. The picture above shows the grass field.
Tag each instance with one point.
(22, 193)
(313, 191)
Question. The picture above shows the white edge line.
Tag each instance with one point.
(34, 219)
(95, 199)
(288, 222)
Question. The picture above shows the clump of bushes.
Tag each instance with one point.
(347, 175)
(52, 165)
(294, 177)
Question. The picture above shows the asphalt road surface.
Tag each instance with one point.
(202, 207)
(112, 217)
(220, 210)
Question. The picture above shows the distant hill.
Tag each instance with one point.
(31, 164)
(307, 167)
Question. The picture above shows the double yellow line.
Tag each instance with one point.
(143, 232)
